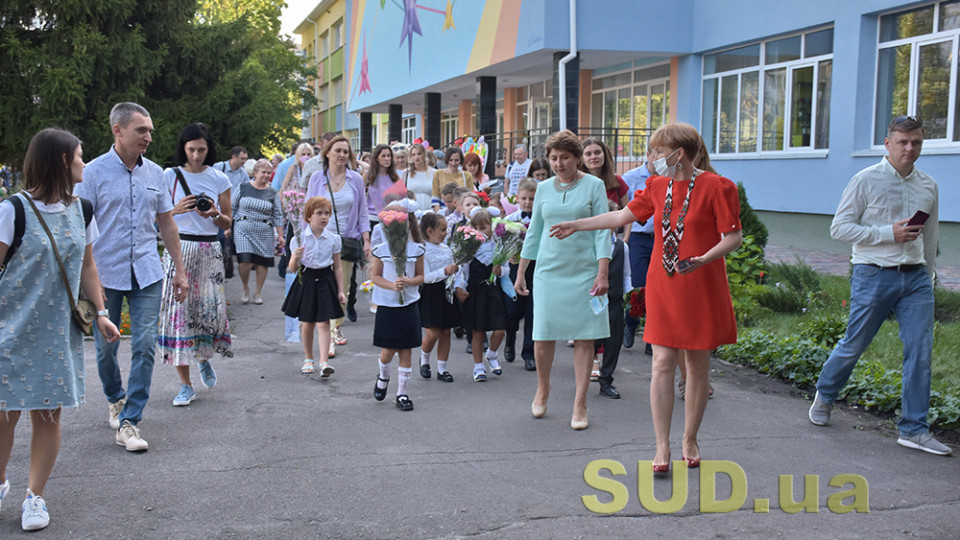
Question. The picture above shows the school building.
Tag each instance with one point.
(792, 98)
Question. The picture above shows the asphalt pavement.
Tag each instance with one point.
(272, 453)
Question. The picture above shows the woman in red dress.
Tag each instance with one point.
(697, 217)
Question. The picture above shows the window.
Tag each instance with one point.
(336, 32)
(325, 44)
(409, 129)
(337, 97)
(916, 60)
(632, 105)
(770, 96)
(448, 130)
(324, 97)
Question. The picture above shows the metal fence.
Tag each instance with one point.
(628, 145)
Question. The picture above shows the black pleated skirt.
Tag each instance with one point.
(313, 296)
(397, 327)
(485, 308)
(435, 311)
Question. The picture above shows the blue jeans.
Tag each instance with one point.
(874, 293)
(144, 312)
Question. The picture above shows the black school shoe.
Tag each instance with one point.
(404, 403)
(380, 393)
(529, 364)
(425, 371)
(509, 352)
(610, 392)
(444, 376)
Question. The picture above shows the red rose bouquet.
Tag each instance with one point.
(635, 301)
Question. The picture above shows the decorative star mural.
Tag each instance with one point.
(411, 22)
(364, 69)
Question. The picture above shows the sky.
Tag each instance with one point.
(293, 15)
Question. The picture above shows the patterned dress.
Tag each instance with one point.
(41, 349)
(257, 214)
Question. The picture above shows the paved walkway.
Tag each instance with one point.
(270, 453)
(833, 263)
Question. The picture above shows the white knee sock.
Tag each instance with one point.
(441, 365)
(384, 373)
(403, 376)
(424, 358)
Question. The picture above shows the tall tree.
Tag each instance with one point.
(66, 63)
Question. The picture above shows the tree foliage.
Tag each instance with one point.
(220, 62)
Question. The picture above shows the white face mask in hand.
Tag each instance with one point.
(660, 165)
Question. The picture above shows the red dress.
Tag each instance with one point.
(690, 311)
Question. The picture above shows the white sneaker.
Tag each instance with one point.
(4, 489)
(115, 410)
(129, 437)
(35, 516)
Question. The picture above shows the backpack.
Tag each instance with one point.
(19, 223)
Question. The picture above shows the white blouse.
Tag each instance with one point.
(317, 250)
(435, 261)
(390, 298)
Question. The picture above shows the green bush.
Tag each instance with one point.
(827, 329)
(749, 221)
(800, 359)
(746, 264)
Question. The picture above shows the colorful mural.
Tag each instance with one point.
(409, 44)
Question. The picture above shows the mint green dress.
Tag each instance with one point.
(566, 269)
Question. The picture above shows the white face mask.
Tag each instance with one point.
(660, 165)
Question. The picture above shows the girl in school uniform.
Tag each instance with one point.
(437, 315)
(317, 292)
(484, 309)
(397, 326)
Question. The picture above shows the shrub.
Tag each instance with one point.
(746, 264)
(749, 221)
(826, 330)
(946, 305)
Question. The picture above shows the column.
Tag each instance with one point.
(366, 132)
(487, 119)
(395, 126)
(431, 118)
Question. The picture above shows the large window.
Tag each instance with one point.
(633, 103)
(409, 129)
(770, 96)
(916, 67)
(448, 130)
(336, 32)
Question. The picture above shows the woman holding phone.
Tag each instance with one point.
(697, 217)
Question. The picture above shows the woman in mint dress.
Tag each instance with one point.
(568, 275)
(41, 348)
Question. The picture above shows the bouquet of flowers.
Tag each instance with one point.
(396, 230)
(292, 202)
(508, 237)
(366, 288)
(484, 198)
(464, 244)
(636, 303)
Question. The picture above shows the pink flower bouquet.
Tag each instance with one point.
(508, 240)
(396, 230)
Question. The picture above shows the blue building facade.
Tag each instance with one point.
(792, 98)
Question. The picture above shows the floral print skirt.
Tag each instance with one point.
(197, 327)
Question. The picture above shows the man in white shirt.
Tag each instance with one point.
(894, 258)
(233, 167)
(517, 170)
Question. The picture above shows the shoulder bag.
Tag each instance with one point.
(351, 249)
(84, 311)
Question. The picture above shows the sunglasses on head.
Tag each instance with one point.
(901, 119)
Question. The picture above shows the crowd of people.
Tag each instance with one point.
(589, 237)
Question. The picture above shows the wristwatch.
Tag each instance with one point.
(103, 313)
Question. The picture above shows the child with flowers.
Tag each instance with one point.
(315, 295)
(437, 314)
(522, 307)
(397, 272)
(484, 309)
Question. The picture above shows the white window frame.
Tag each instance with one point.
(761, 68)
(597, 117)
(448, 129)
(935, 36)
(408, 129)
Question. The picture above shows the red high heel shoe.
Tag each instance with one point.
(692, 463)
(661, 469)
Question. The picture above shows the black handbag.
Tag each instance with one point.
(84, 312)
(351, 249)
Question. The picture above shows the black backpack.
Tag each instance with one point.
(19, 222)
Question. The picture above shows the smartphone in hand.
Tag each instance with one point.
(918, 219)
(683, 265)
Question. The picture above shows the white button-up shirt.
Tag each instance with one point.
(317, 250)
(875, 198)
(126, 204)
